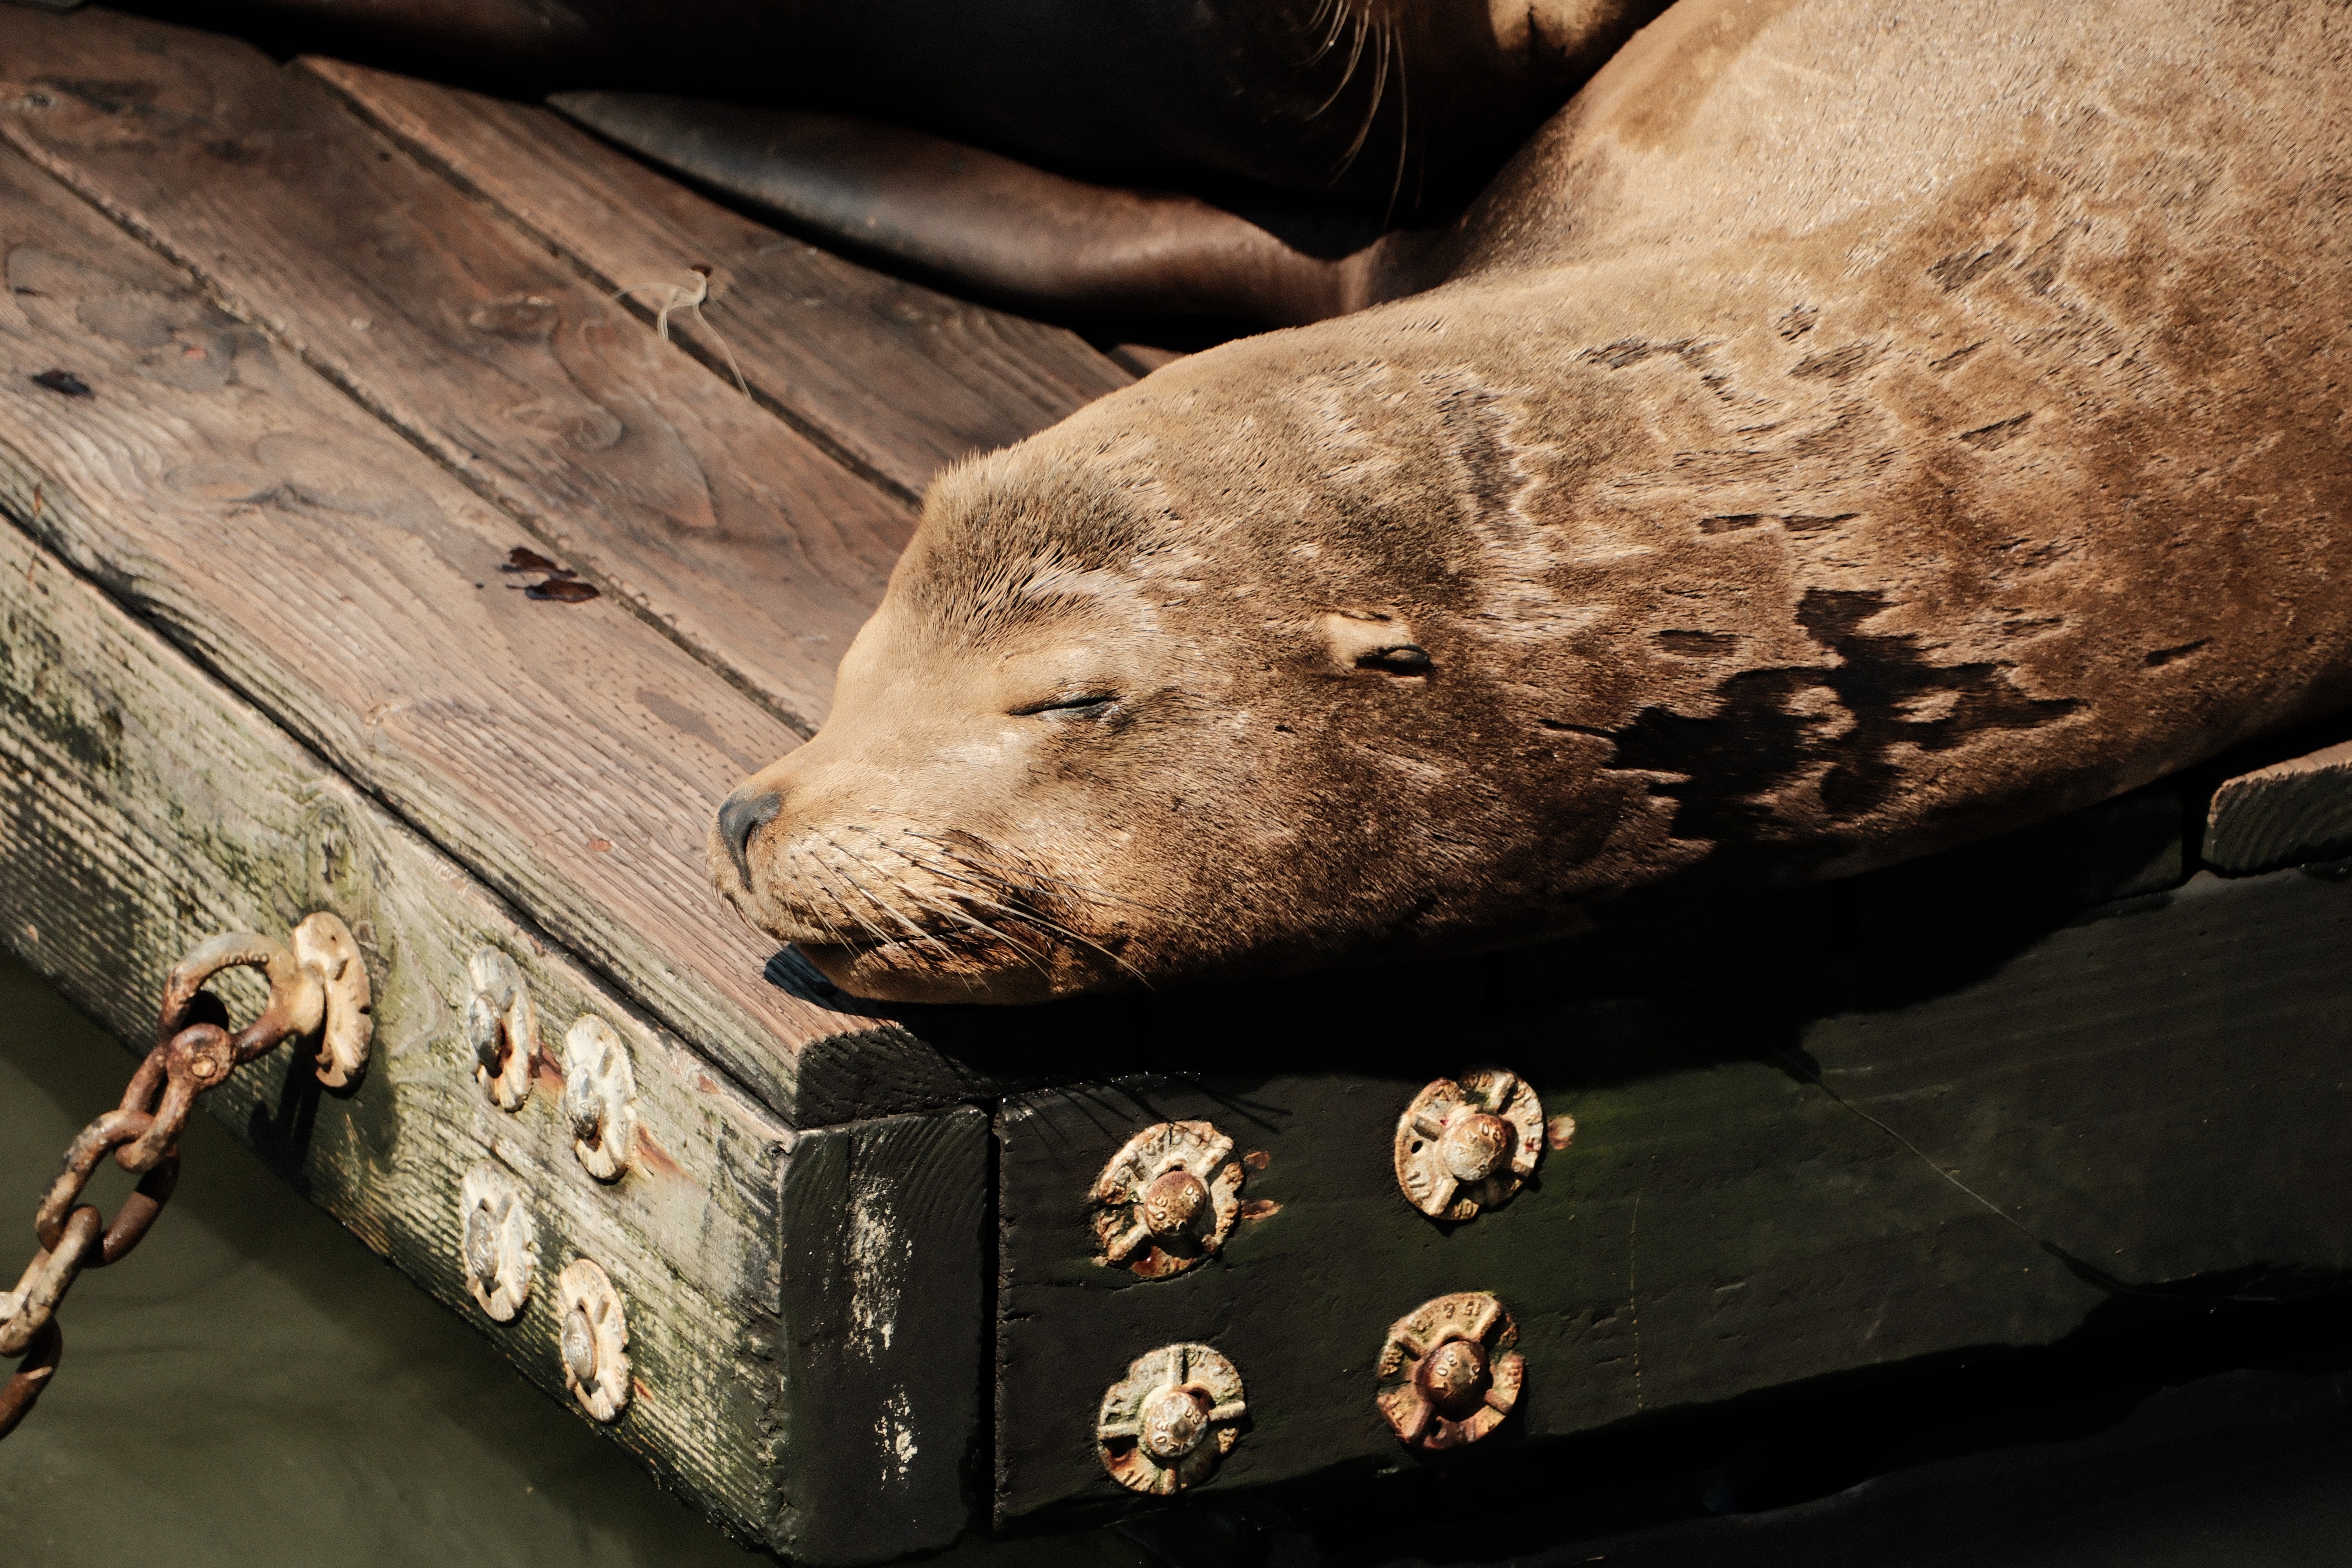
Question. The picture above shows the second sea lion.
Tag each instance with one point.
(1391, 107)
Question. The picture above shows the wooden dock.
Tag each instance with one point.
(334, 345)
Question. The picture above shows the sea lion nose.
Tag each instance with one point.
(744, 814)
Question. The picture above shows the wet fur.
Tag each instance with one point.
(1852, 429)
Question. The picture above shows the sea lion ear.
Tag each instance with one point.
(1373, 642)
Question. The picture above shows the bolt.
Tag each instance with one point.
(1475, 1146)
(1167, 1199)
(1453, 1377)
(580, 1346)
(599, 1095)
(1167, 1423)
(482, 1247)
(1174, 1422)
(1172, 1202)
(202, 1067)
(493, 1044)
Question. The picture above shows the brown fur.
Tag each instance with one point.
(1852, 428)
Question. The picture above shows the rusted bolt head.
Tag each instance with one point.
(1167, 1423)
(579, 1346)
(600, 1098)
(1174, 1422)
(1453, 1377)
(1167, 1200)
(1475, 1146)
(1172, 1202)
(591, 1339)
(1449, 1372)
(206, 1055)
(503, 1028)
(1463, 1146)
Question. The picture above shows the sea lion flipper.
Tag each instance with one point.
(990, 225)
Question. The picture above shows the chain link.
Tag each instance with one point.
(317, 987)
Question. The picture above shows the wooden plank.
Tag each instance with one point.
(335, 577)
(1755, 1192)
(1673, 1246)
(2297, 810)
(2159, 1088)
(142, 807)
(882, 1408)
(726, 530)
(899, 377)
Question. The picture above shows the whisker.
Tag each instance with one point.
(874, 932)
(917, 936)
(1011, 880)
(798, 853)
(793, 855)
(1030, 917)
(962, 917)
(1372, 109)
(1337, 13)
(1404, 136)
(1027, 917)
(1355, 53)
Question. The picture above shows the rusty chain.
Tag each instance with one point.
(318, 986)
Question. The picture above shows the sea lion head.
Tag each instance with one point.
(1203, 681)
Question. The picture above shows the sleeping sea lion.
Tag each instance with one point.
(1849, 428)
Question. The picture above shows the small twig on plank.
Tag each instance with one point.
(689, 299)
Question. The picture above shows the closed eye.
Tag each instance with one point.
(1089, 706)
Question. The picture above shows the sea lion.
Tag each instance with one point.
(1850, 428)
(1391, 107)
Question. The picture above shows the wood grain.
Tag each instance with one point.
(348, 586)
(895, 376)
(1756, 1188)
(146, 807)
(722, 527)
(2297, 810)
(880, 1406)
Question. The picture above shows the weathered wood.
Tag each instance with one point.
(2297, 810)
(2159, 1089)
(146, 807)
(882, 1391)
(897, 376)
(1775, 1173)
(329, 574)
(723, 526)
(564, 753)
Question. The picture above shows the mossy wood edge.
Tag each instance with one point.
(801, 1305)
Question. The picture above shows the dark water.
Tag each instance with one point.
(254, 1388)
